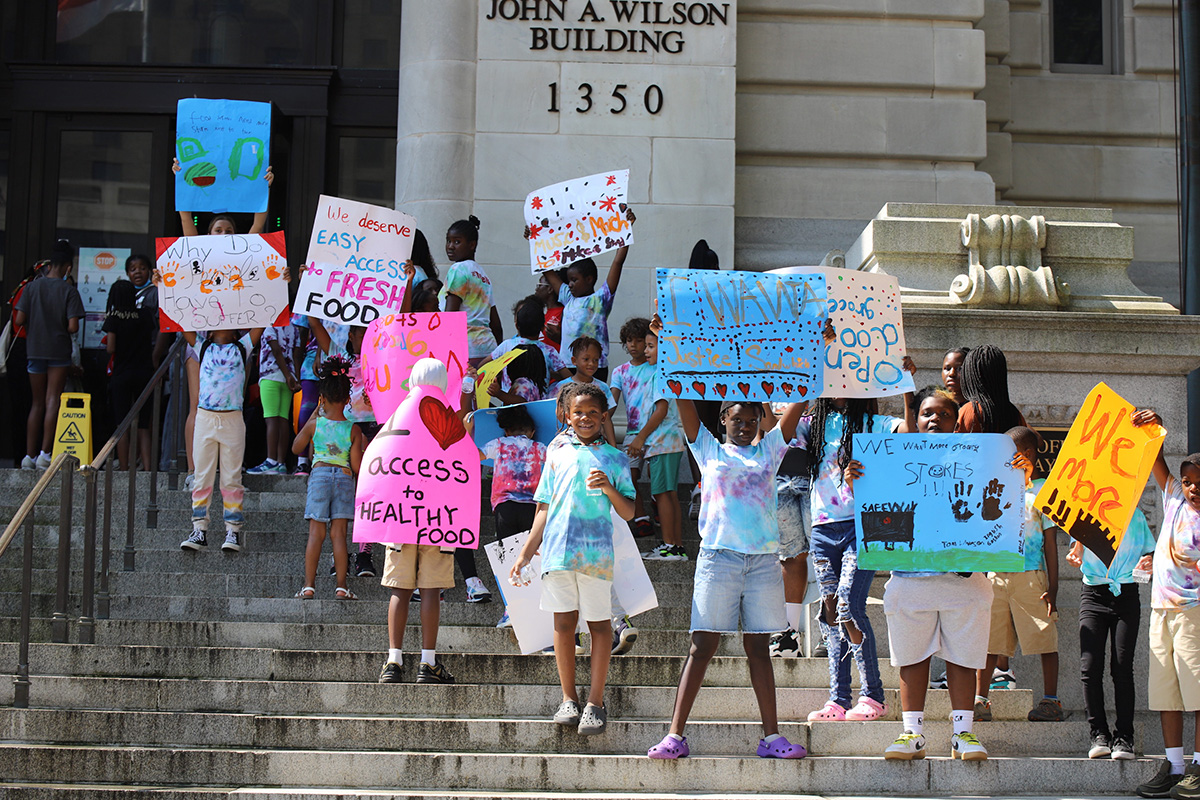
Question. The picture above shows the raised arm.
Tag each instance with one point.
(788, 420)
(1160, 470)
(324, 340)
(618, 262)
(185, 217)
(260, 217)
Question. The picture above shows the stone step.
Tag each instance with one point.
(459, 701)
(183, 766)
(52, 791)
(537, 733)
(363, 666)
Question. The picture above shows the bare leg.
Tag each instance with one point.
(1049, 674)
(704, 647)
(123, 451)
(56, 379)
(670, 517)
(1172, 728)
(398, 616)
(639, 499)
(601, 636)
(852, 632)
(144, 446)
(762, 678)
(960, 682)
(983, 677)
(37, 413)
(795, 578)
(312, 553)
(341, 559)
(914, 685)
(564, 651)
(431, 617)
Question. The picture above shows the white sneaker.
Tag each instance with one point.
(189, 481)
(43, 461)
(907, 747)
(967, 747)
(694, 505)
(477, 592)
(28, 463)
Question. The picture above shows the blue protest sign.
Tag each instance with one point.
(543, 415)
(731, 335)
(939, 502)
(223, 147)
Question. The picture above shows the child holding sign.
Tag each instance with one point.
(738, 579)
(586, 308)
(1175, 623)
(584, 480)
(337, 451)
(468, 289)
(935, 613)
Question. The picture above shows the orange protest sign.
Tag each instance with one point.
(1101, 470)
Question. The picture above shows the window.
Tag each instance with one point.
(1085, 36)
(366, 169)
(371, 35)
(104, 188)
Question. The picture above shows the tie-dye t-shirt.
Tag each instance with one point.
(557, 389)
(1137, 542)
(668, 436)
(579, 531)
(737, 493)
(636, 385)
(309, 366)
(554, 360)
(830, 498)
(586, 316)
(223, 374)
(526, 389)
(517, 468)
(467, 281)
(1033, 537)
(1176, 584)
(268, 368)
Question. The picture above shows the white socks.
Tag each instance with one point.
(1175, 756)
(795, 612)
(395, 656)
(429, 657)
(963, 720)
(914, 721)
(771, 738)
(675, 736)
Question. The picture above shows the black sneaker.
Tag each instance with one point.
(233, 542)
(1188, 787)
(1122, 749)
(1161, 784)
(196, 541)
(785, 644)
(391, 673)
(435, 674)
(1101, 746)
(363, 566)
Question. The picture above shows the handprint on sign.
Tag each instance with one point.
(960, 502)
(272, 264)
(991, 500)
(1061, 515)
(1095, 537)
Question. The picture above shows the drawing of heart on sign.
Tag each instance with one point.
(578, 219)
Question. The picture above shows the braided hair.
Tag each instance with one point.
(857, 413)
(333, 379)
(984, 380)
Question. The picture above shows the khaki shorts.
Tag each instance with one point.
(945, 615)
(418, 566)
(565, 590)
(1175, 660)
(1019, 614)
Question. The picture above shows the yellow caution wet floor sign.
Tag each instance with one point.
(74, 432)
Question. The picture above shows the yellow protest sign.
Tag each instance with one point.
(1101, 470)
(488, 374)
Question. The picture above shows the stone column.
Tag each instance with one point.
(435, 130)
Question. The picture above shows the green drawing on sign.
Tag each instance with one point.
(235, 157)
(71, 435)
(189, 148)
(202, 174)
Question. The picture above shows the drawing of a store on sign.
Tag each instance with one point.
(1052, 439)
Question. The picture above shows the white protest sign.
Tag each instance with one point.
(866, 359)
(535, 628)
(578, 219)
(213, 283)
(355, 267)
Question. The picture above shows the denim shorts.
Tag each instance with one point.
(731, 585)
(794, 514)
(40, 366)
(330, 495)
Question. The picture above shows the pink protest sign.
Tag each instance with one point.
(395, 342)
(419, 482)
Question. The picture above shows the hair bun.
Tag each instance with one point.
(474, 220)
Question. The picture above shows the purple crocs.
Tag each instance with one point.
(669, 748)
(780, 748)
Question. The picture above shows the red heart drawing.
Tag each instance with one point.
(768, 387)
(699, 387)
(745, 387)
(803, 390)
(720, 389)
(787, 388)
(676, 387)
(442, 422)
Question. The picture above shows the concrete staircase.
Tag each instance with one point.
(210, 680)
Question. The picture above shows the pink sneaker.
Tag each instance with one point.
(866, 710)
(830, 712)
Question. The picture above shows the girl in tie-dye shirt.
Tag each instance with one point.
(468, 289)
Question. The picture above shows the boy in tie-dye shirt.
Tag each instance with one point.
(633, 381)
(1175, 621)
(583, 482)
